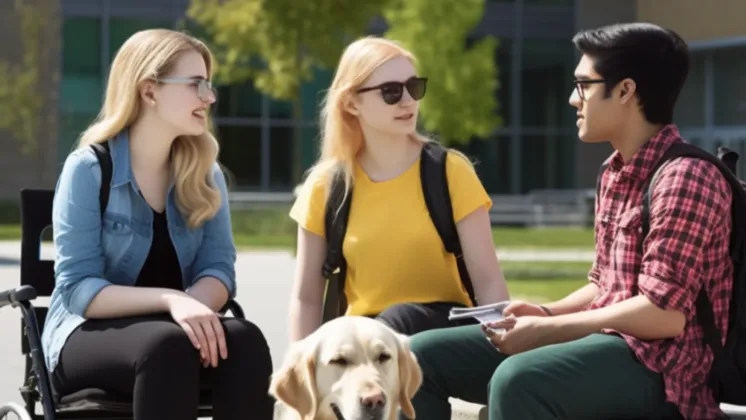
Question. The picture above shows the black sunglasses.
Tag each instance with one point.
(392, 92)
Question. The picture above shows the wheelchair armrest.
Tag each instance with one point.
(235, 309)
(16, 296)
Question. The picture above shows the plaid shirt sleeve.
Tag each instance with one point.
(690, 198)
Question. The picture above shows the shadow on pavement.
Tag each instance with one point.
(9, 261)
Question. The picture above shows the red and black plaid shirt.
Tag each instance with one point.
(686, 249)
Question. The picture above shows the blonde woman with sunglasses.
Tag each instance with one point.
(397, 268)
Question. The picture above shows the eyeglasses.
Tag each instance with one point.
(581, 85)
(204, 87)
(392, 92)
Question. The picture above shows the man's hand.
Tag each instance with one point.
(521, 308)
(522, 333)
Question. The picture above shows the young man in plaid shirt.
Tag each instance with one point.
(626, 345)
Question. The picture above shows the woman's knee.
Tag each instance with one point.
(167, 344)
(412, 318)
(247, 339)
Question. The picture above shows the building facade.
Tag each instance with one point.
(536, 148)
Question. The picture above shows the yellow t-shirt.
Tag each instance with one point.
(393, 252)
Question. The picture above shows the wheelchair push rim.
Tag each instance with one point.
(12, 411)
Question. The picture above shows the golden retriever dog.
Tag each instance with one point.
(351, 368)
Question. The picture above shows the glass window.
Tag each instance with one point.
(239, 101)
(729, 68)
(549, 2)
(311, 146)
(70, 128)
(313, 93)
(281, 110)
(546, 83)
(81, 86)
(120, 29)
(240, 153)
(546, 162)
(281, 158)
(491, 158)
(503, 58)
(690, 107)
(81, 45)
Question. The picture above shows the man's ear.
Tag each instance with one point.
(627, 90)
(294, 384)
(410, 376)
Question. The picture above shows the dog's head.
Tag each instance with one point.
(355, 365)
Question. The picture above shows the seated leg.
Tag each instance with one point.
(597, 377)
(456, 363)
(149, 357)
(240, 383)
(412, 318)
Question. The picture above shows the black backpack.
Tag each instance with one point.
(438, 201)
(104, 160)
(728, 373)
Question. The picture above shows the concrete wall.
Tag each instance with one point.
(696, 20)
(36, 169)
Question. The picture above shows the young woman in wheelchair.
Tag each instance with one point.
(135, 309)
(397, 268)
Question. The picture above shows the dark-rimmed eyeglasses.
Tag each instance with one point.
(581, 85)
(392, 92)
(204, 87)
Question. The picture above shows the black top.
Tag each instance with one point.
(161, 268)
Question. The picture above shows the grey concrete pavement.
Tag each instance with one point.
(264, 286)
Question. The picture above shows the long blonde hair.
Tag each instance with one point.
(145, 56)
(341, 135)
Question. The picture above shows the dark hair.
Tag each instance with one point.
(657, 59)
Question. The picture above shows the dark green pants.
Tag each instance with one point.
(597, 377)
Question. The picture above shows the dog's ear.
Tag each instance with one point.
(410, 376)
(294, 384)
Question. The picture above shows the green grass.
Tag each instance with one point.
(545, 269)
(543, 237)
(274, 229)
(10, 232)
(543, 290)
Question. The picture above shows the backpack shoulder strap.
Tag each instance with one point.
(703, 306)
(599, 177)
(433, 177)
(336, 217)
(104, 159)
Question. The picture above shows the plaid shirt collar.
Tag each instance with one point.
(643, 161)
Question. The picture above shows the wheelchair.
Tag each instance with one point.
(37, 280)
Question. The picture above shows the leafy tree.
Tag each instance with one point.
(278, 43)
(460, 101)
(28, 88)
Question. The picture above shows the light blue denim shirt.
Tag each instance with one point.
(92, 254)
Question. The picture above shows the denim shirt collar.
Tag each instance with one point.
(120, 157)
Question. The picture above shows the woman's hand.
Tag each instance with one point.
(202, 326)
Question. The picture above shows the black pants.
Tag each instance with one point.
(412, 318)
(151, 358)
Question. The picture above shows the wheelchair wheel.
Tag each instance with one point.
(13, 411)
